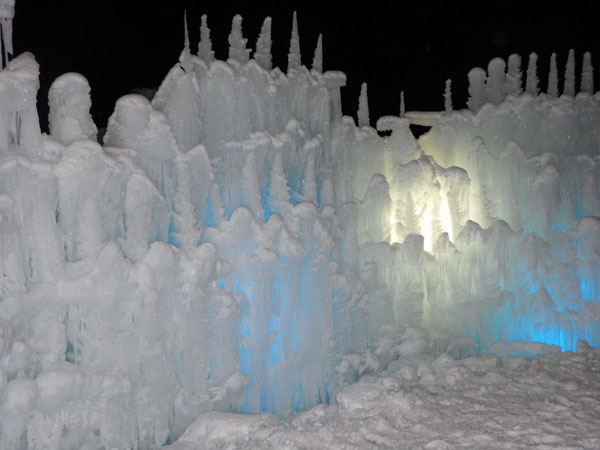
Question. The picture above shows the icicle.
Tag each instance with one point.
(317, 64)
(587, 74)
(569, 87)
(294, 54)
(476, 89)
(513, 77)
(263, 46)
(279, 195)
(309, 184)
(553, 77)
(237, 42)
(185, 59)
(250, 187)
(531, 84)
(402, 106)
(448, 96)
(363, 107)
(205, 50)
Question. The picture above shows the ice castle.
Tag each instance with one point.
(238, 244)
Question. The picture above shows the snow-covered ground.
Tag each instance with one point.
(482, 402)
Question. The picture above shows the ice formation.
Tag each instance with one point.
(236, 244)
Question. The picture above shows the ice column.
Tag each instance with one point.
(7, 12)
(263, 46)
(237, 42)
(587, 74)
(476, 89)
(294, 55)
(553, 77)
(363, 107)
(448, 96)
(531, 86)
(569, 87)
(317, 64)
(70, 103)
(513, 76)
(205, 50)
(496, 82)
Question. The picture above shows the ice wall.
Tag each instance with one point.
(237, 244)
(533, 166)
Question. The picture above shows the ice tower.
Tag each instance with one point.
(237, 244)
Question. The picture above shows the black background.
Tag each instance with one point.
(124, 45)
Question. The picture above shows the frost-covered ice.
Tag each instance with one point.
(434, 403)
(237, 245)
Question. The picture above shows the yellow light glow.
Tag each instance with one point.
(445, 217)
(393, 233)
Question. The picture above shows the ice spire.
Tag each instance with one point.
(448, 96)
(569, 86)
(205, 50)
(553, 77)
(513, 76)
(185, 59)
(317, 64)
(531, 85)
(237, 42)
(402, 106)
(476, 89)
(363, 107)
(262, 55)
(587, 74)
(7, 12)
(294, 54)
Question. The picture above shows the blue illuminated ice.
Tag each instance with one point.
(237, 245)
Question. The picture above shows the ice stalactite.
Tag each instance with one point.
(317, 63)
(553, 77)
(205, 50)
(363, 107)
(262, 55)
(294, 53)
(569, 83)
(531, 84)
(587, 74)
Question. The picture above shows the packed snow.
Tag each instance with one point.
(239, 265)
(434, 403)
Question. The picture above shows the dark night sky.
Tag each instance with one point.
(123, 45)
